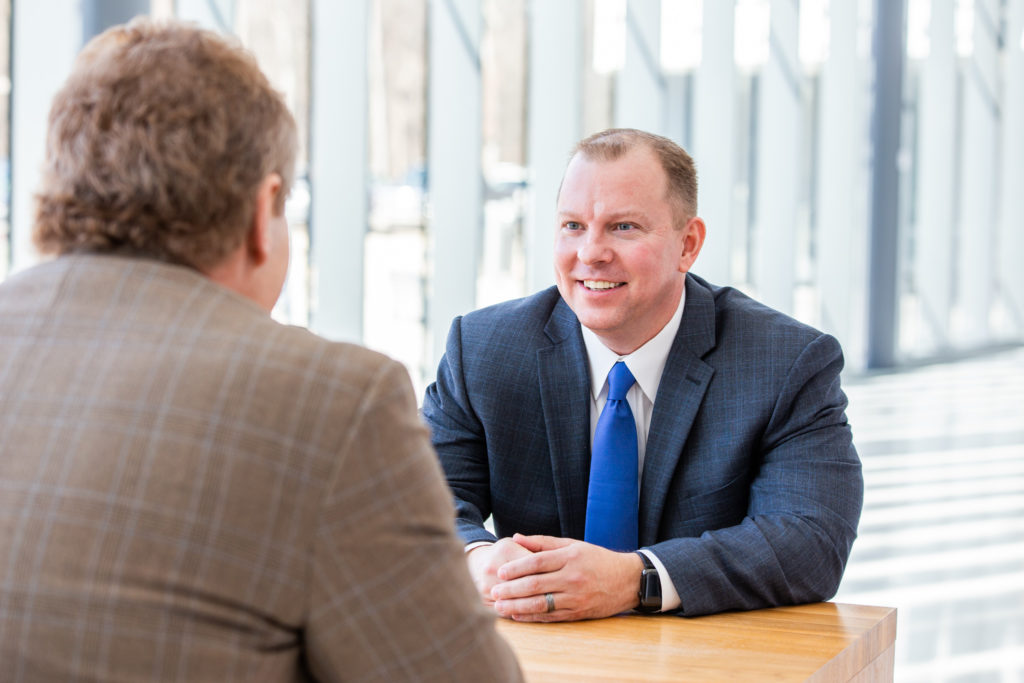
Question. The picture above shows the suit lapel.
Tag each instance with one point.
(565, 399)
(683, 384)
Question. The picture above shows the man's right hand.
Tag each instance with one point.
(485, 560)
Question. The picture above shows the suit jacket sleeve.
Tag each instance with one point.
(805, 494)
(387, 565)
(458, 436)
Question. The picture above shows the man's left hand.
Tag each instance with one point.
(586, 581)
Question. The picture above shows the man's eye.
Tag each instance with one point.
(572, 225)
(623, 226)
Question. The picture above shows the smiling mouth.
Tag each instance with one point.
(601, 285)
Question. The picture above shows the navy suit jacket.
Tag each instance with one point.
(751, 488)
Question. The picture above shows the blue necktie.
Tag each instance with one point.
(612, 496)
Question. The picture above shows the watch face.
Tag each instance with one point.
(650, 591)
(650, 587)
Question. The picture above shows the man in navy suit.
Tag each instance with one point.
(749, 487)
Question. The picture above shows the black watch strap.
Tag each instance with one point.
(650, 586)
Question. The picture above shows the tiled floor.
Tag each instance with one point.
(942, 533)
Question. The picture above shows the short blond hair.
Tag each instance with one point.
(681, 172)
(157, 144)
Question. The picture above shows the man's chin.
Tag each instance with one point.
(601, 325)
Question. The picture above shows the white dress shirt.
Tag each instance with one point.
(646, 365)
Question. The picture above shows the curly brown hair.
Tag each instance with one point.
(157, 144)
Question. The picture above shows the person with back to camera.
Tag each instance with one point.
(192, 491)
(642, 438)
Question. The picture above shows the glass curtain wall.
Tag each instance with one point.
(5, 137)
(962, 214)
(395, 252)
(784, 152)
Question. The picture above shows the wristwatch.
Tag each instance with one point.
(650, 587)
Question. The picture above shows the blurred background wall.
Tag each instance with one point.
(861, 161)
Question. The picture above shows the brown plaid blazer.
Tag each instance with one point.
(190, 491)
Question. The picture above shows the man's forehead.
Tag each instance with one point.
(642, 158)
(599, 169)
(647, 157)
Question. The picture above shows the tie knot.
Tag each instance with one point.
(620, 379)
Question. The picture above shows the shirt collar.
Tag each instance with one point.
(646, 363)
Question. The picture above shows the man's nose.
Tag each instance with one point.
(594, 249)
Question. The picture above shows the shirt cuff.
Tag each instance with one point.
(669, 596)
(476, 544)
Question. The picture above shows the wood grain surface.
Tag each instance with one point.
(818, 642)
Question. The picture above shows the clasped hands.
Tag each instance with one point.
(586, 581)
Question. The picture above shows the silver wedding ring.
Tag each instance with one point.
(550, 599)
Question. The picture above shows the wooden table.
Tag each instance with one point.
(819, 642)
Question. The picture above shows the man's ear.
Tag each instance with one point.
(260, 240)
(693, 239)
